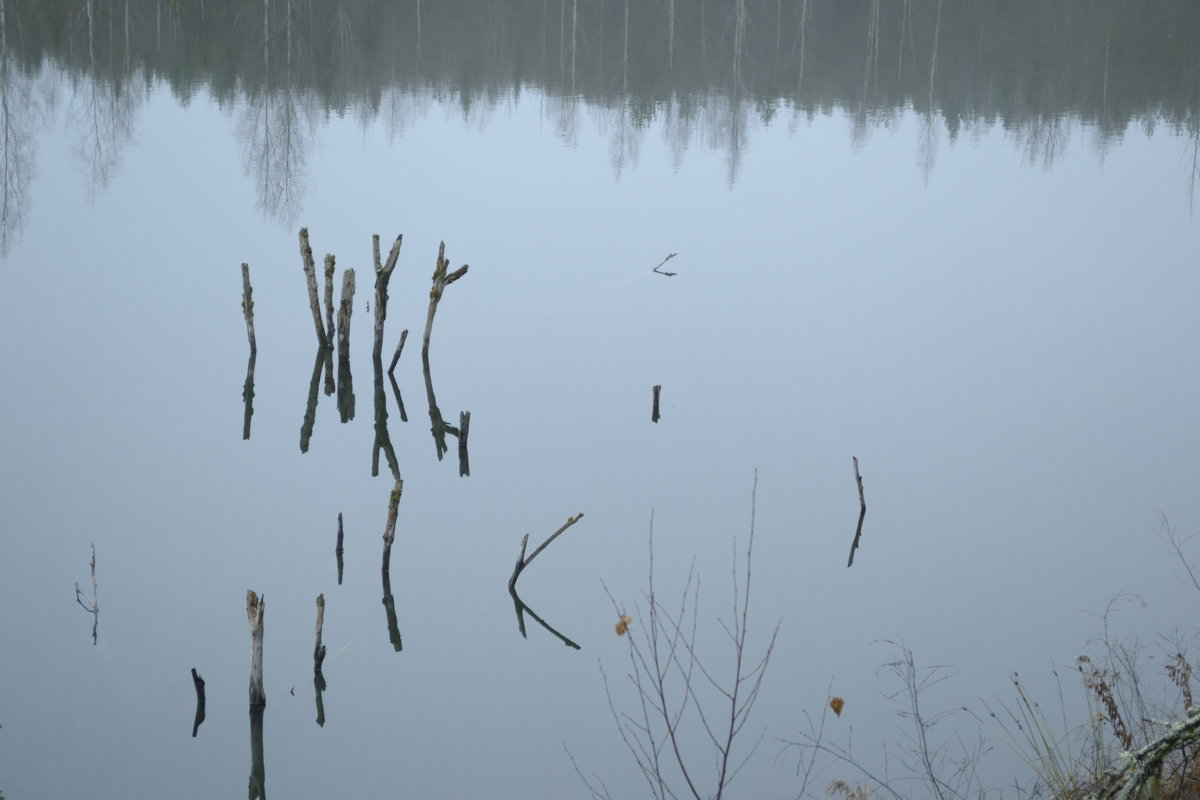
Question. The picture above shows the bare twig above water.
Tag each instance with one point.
(861, 514)
(399, 348)
(523, 562)
(441, 279)
(664, 272)
(248, 307)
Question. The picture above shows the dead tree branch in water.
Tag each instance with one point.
(654, 415)
(441, 279)
(248, 307)
(663, 272)
(318, 661)
(255, 607)
(383, 274)
(523, 562)
(330, 268)
(861, 514)
(310, 273)
(389, 529)
(399, 348)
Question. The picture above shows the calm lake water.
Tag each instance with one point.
(954, 241)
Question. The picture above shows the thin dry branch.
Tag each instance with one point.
(663, 272)
(389, 529)
(862, 513)
(248, 307)
(523, 562)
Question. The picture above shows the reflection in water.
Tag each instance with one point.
(383, 440)
(706, 73)
(310, 408)
(319, 660)
(278, 119)
(92, 604)
(439, 427)
(258, 770)
(389, 535)
(522, 563)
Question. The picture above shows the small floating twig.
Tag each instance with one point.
(664, 272)
(861, 514)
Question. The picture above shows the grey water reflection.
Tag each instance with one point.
(1043, 72)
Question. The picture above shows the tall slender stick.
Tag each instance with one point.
(441, 279)
(383, 274)
(339, 549)
(399, 347)
(861, 514)
(248, 307)
(314, 302)
(255, 606)
(389, 529)
(329, 270)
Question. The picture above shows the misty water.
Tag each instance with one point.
(954, 241)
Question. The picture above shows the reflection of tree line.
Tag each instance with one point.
(702, 69)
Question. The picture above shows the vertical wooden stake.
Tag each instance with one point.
(314, 302)
(654, 413)
(255, 606)
(248, 307)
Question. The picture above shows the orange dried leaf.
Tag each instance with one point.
(623, 624)
(837, 704)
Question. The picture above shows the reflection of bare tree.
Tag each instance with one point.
(21, 112)
(929, 127)
(278, 124)
(1043, 138)
(102, 111)
(626, 137)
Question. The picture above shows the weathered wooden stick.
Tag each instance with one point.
(389, 529)
(383, 274)
(198, 682)
(248, 395)
(329, 270)
(654, 416)
(248, 307)
(861, 514)
(523, 562)
(399, 399)
(339, 549)
(318, 648)
(665, 260)
(344, 311)
(440, 281)
(399, 347)
(464, 464)
(310, 272)
(255, 606)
